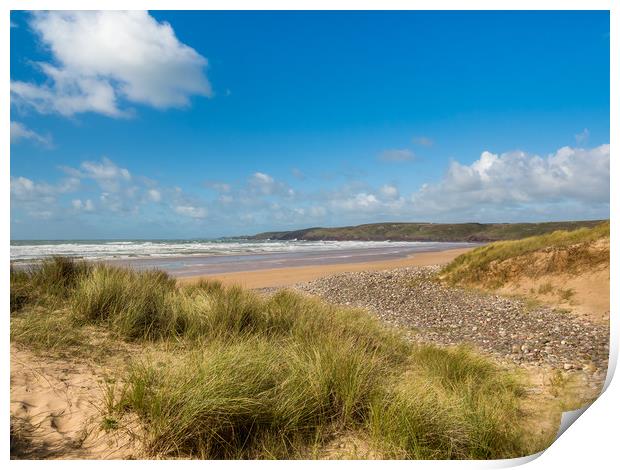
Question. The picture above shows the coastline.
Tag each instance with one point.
(281, 277)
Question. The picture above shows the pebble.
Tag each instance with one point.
(441, 314)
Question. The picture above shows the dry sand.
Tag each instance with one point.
(288, 276)
(56, 410)
(585, 295)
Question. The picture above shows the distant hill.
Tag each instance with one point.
(471, 232)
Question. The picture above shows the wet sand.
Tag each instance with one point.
(203, 265)
(280, 277)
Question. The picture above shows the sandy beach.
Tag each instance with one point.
(286, 276)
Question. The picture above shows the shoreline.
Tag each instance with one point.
(281, 277)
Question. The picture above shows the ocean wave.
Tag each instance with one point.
(101, 250)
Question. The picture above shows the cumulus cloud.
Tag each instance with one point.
(191, 211)
(359, 202)
(80, 205)
(569, 183)
(154, 195)
(119, 191)
(390, 191)
(115, 192)
(24, 189)
(262, 183)
(517, 178)
(383, 201)
(102, 58)
(108, 175)
(20, 132)
(397, 155)
(39, 199)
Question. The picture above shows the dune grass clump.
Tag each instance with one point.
(134, 304)
(51, 281)
(249, 398)
(59, 275)
(450, 404)
(233, 374)
(253, 398)
(572, 252)
(44, 331)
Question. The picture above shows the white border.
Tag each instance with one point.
(589, 443)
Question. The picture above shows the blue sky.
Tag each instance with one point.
(204, 124)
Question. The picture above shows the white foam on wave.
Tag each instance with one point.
(95, 250)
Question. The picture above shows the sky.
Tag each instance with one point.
(202, 124)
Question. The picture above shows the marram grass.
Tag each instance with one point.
(475, 267)
(232, 374)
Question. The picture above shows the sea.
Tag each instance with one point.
(207, 256)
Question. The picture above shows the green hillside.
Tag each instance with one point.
(473, 232)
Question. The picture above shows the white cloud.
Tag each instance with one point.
(80, 205)
(24, 189)
(389, 191)
(583, 137)
(20, 132)
(108, 175)
(397, 155)
(154, 195)
(101, 58)
(191, 211)
(424, 141)
(39, 200)
(262, 183)
(119, 191)
(516, 178)
(359, 202)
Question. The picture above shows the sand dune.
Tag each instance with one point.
(585, 294)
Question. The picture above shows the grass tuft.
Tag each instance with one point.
(545, 288)
(451, 404)
(44, 331)
(495, 264)
(48, 283)
(133, 304)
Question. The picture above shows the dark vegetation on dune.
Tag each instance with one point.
(227, 373)
(467, 232)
